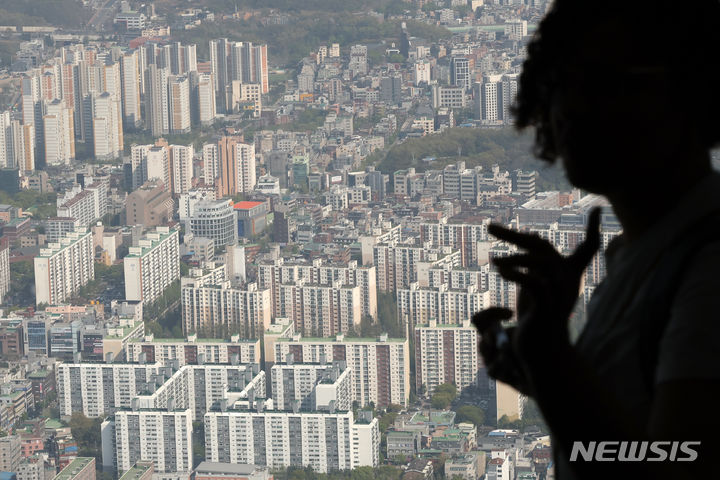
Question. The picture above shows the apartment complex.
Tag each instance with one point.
(153, 265)
(63, 267)
(446, 354)
(193, 350)
(379, 368)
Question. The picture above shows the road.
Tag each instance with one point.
(104, 12)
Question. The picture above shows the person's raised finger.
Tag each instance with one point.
(586, 250)
(485, 320)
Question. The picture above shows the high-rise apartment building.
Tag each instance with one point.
(220, 309)
(4, 270)
(181, 160)
(58, 132)
(62, 268)
(157, 102)
(446, 354)
(211, 163)
(237, 167)
(325, 441)
(205, 98)
(193, 350)
(107, 126)
(17, 144)
(153, 265)
(420, 305)
(163, 437)
(320, 310)
(179, 104)
(273, 273)
(131, 89)
(379, 367)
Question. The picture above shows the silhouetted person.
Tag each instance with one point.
(626, 94)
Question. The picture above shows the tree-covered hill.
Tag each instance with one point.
(485, 147)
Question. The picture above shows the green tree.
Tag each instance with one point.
(471, 414)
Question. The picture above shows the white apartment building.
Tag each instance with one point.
(179, 104)
(84, 205)
(214, 309)
(398, 264)
(4, 271)
(58, 132)
(272, 274)
(181, 161)
(211, 163)
(62, 268)
(206, 99)
(311, 387)
(379, 368)
(107, 126)
(193, 350)
(446, 354)
(97, 389)
(322, 440)
(153, 265)
(131, 88)
(163, 437)
(419, 305)
(320, 310)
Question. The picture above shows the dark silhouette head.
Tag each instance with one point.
(621, 89)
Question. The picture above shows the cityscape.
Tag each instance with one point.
(245, 240)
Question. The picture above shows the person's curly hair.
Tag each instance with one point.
(684, 37)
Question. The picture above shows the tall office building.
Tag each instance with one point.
(62, 268)
(460, 72)
(156, 100)
(153, 265)
(181, 161)
(358, 60)
(237, 167)
(215, 219)
(107, 126)
(179, 104)
(446, 354)
(130, 69)
(58, 133)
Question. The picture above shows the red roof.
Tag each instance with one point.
(246, 205)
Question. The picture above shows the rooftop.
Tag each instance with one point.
(74, 468)
(246, 205)
(135, 472)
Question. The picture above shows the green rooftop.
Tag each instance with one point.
(39, 374)
(135, 472)
(126, 330)
(155, 243)
(74, 468)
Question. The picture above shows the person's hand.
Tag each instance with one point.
(549, 285)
